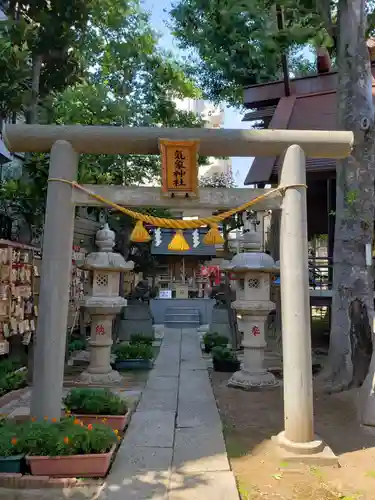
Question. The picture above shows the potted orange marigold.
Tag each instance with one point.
(68, 448)
(12, 457)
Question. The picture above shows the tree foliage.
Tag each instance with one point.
(219, 180)
(122, 78)
(234, 43)
(51, 34)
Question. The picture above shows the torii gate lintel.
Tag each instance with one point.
(209, 198)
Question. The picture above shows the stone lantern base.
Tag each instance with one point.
(100, 372)
(250, 381)
(110, 378)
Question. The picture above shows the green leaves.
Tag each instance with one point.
(101, 66)
(94, 402)
(239, 43)
(133, 351)
(227, 36)
(61, 438)
(217, 180)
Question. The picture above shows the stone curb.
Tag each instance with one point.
(12, 395)
(18, 481)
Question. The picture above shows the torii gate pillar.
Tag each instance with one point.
(49, 351)
(297, 442)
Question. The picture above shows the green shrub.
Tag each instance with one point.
(223, 354)
(94, 402)
(211, 340)
(76, 345)
(12, 381)
(68, 437)
(133, 351)
(9, 365)
(10, 444)
(139, 338)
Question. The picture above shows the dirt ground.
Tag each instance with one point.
(250, 418)
(132, 380)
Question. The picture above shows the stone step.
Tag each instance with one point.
(182, 310)
(181, 324)
(182, 317)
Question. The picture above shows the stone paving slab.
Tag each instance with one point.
(200, 449)
(198, 414)
(169, 362)
(139, 473)
(152, 428)
(203, 486)
(21, 411)
(160, 399)
(166, 370)
(195, 381)
(192, 395)
(192, 365)
(174, 447)
(162, 383)
(190, 350)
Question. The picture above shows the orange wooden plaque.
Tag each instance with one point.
(179, 160)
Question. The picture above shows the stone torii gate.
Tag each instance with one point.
(66, 143)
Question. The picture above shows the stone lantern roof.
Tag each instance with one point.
(252, 261)
(106, 259)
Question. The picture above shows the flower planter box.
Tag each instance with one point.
(71, 466)
(134, 364)
(115, 422)
(13, 465)
(227, 366)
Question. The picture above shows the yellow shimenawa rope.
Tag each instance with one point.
(177, 223)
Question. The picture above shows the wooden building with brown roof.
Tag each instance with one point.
(301, 103)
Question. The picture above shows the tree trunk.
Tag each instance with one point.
(32, 117)
(32, 111)
(352, 303)
(232, 317)
(123, 248)
(273, 238)
(274, 326)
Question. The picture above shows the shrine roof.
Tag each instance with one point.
(199, 250)
(311, 106)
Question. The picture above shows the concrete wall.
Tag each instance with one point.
(204, 306)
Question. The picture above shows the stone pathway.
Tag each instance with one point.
(174, 447)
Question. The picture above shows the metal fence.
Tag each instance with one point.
(320, 272)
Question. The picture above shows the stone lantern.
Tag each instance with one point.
(103, 305)
(252, 271)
